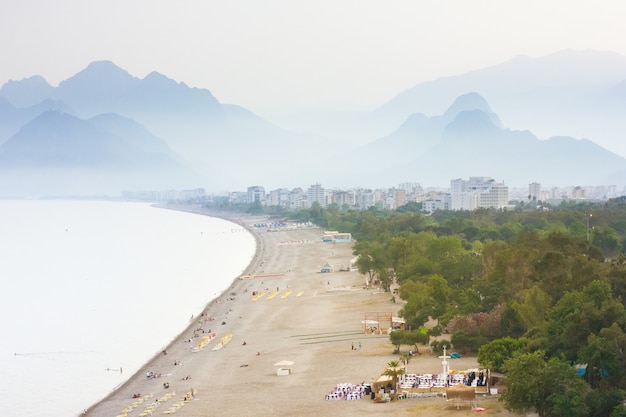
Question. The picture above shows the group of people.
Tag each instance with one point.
(481, 381)
(469, 378)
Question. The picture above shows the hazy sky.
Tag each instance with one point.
(275, 56)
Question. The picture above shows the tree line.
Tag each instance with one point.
(537, 293)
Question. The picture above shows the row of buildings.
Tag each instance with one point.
(470, 194)
(463, 195)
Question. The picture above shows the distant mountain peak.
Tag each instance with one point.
(105, 67)
(156, 79)
(155, 75)
(470, 102)
(471, 123)
(34, 81)
(103, 76)
(27, 91)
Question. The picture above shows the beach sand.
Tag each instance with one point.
(312, 321)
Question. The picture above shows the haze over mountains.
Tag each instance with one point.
(103, 131)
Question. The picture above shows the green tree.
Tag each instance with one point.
(547, 387)
(534, 308)
(553, 273)
(607, 240)
(494, 354)
(412, 338)
(619, 411)
(439, 294)
(602, 401)
(416, 296)
(604, 356)
(464, 342)
(372, 261)
(331, 218)
(579, 314)
(437, 346)
(315, 211)
(397, 338)
(424, 300)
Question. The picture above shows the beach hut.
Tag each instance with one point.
(398, 323)
(461, 395)
(326, 268)
(284, 367)
(382, 384)
(342, 238)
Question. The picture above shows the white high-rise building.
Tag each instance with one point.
(343, 198)
(279, 197)
(534, 191)
(316, 193)
(256, 193)
(478, 192)
(297, 199)
(436, 202)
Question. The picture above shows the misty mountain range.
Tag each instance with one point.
(102, 131)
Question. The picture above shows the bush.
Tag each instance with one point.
(437, 346)
(467, 343)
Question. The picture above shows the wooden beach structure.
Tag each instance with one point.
(461, 395)
(377, 323)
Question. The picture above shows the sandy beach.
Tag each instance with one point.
(303, 316)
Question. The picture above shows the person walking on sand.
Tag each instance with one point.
(352, 345)
(360, 346)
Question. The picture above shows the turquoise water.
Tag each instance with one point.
(94, 285)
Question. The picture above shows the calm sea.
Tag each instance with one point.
(91, 290)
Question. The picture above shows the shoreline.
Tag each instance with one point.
(304, 316)
(251, 267)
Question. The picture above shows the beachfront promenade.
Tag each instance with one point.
(285, 310)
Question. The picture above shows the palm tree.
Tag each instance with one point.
(406, 358)
(394, 370)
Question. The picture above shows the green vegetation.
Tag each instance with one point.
(534, 292)
(525, 290)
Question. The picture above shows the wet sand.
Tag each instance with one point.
(306, 317)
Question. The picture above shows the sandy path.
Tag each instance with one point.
(314, 329)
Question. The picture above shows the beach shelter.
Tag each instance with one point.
(382, 382)
(398, 323)
(460, 395)
(284, 367)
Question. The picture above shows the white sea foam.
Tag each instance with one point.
(91, 285)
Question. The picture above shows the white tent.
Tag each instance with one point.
(284, 363)
(284, 367)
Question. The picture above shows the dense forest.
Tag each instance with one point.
(536, 293)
